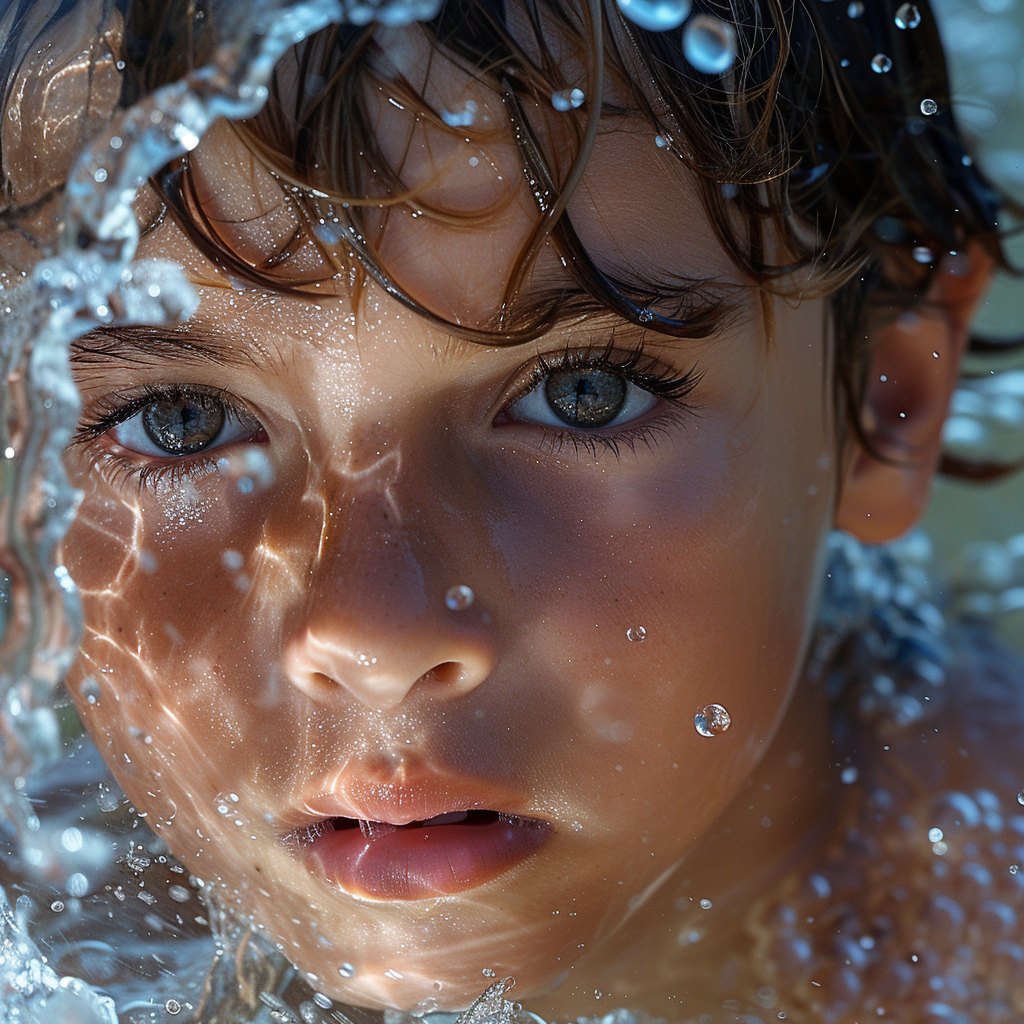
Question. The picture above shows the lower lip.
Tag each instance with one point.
(423, 862)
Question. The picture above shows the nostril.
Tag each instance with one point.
(446, 674)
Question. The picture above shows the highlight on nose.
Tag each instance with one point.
(325, 663)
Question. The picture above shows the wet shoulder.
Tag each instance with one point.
(915, 912)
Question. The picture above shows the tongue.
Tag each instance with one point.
(375, 829)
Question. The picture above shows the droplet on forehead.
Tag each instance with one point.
(709, 44)
(907, 16)
(656, 15)
(458, 598)
(636, 634)
(712, 720)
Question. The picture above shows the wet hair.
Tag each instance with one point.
(818, 133)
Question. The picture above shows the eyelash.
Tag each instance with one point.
(112, 410)
(636, 367)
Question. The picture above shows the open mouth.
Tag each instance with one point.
(442, 855)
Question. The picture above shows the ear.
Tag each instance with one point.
(914, 369)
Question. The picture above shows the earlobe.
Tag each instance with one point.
(913, 372)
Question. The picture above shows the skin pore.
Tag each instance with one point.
(266, 620)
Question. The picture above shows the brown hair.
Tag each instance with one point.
(804, 135)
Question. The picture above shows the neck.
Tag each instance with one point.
(658, 960)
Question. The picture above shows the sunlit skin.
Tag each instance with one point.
(270, 631)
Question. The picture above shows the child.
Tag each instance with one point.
(450, 575)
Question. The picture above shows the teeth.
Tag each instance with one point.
(451, 818)
(375, 829)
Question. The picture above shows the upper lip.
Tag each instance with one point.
(401, 798)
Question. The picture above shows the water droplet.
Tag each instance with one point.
(57, 906)
(848, 776)
(935, 835)
(172, 1006)
(77, 885)
(922, 254)
(1013, 869)
(709, 44)
(488, 973)
(89, 689)
(854, 9)
(576, 98)
(929, 107)
(636, 634)
(460, 118)
(907, 16)
(560, 101)
(324, 1002)
(656, 15)
(659, 140)
(705, 904)
(966, 160)
(645, 316)
(730, 190)
(100, 175)
(712, 720)
(346, 970)
(881, 63)
(459, 598)
(1020, 798)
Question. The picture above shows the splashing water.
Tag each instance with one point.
(656, 15)
(712, 720)
(709, 44)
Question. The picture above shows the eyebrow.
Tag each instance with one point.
(146, 344)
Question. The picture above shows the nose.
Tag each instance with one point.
(335, 656)
(375, 623)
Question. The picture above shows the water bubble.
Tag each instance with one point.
(89, 688)
(907, 16)
(712, 720)
(656, 15)
(929, 107)
(922, 254)
(459, 598)
(709, 44)
(57, 906)
(172, 1006)
(346, 970)
(705, 904)
(881, 63)
(77, 885)
(637, 635)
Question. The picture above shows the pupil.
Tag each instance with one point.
(586, 398)
(183, 426)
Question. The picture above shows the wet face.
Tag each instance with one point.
(399, 641)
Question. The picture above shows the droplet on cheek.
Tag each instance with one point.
(712, 720)
(636, 634)
(459, 598)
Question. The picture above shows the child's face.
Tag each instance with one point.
(268, 643)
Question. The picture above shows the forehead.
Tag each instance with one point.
(452, 210)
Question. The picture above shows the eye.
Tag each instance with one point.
(182, 423)
(586, 397)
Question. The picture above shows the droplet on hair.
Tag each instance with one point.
(881, 63)
(459, 598)
(907, 16)
(709, 44)
(656, 15)
(712, 720)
